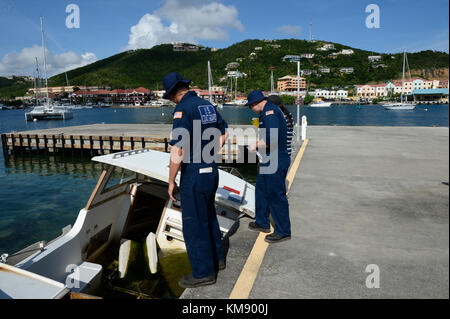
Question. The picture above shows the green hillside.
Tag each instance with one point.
(147, 67)
(15, 86)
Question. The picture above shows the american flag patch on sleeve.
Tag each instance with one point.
(177, 115)
(269, 112)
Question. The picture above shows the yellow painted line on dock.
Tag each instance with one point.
(246, 280)
(294, 167)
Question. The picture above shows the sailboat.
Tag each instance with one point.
(210, 82)
(402, 105)
(47, 111)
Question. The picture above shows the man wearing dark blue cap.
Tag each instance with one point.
(199, 178)
(270, 192)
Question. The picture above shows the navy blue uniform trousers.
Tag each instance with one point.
(201, 230)
(270, 195)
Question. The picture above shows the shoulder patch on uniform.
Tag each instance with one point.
(269, 112)
(207, 113)
(177, 115)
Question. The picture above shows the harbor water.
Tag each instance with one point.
(40, 195)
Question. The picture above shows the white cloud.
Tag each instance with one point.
(24, 62)
(184, 21)
(293, 30)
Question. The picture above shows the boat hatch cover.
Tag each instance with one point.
(16, 283)
(233, 191)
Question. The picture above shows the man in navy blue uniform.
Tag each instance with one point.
(199, 178)
(270, 193)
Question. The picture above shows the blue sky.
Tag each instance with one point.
(108, 27)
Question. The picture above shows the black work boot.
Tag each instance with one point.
(190, 282)
(221, 264)
(255, 227)
(275, 238)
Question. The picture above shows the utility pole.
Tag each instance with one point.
(298, 100)
(272, 89)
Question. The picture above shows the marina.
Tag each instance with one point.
(306, 163)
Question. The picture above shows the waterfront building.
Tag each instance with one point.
(431, 95)
(59, 90)
(289, 83)
(51, 89)
(159, 93)
(341, 94)
(118, 96)
(216, 95)
(443, 84)
(365, 91)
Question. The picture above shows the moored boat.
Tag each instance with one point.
(128, 204)
(320, 103)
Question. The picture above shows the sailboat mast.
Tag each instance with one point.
(271, 81)
(235, 90)
(403, 76)
(45, 61)
(231, 88)
(36, 83)
(209, 81)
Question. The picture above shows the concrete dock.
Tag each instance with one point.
(362, 196)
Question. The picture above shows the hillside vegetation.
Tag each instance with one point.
(147, 67)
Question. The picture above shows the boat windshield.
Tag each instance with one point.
(119, 176)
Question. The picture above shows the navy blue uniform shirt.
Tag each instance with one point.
(273, 117)
(193, 108)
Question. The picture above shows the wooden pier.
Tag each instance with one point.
(100, 139)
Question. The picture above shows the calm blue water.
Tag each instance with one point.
(39, 196)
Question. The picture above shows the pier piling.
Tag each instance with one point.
(120, 137)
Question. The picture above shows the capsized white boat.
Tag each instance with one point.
(129, 202)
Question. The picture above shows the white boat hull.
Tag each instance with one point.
(49, 113)
(110, 216)
(399, 106)
(324, 104)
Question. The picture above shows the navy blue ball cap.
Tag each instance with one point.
(255, 96)
(170, 81)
